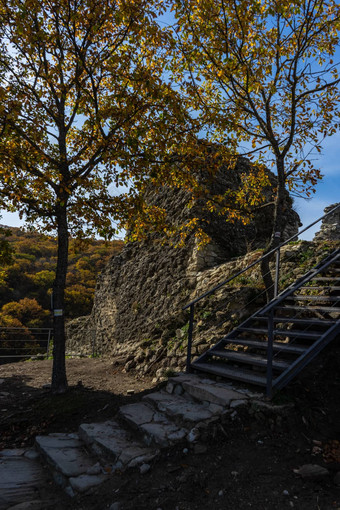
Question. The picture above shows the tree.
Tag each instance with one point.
(262, 72)
(6, 251)
(26, 312)
(84, 110)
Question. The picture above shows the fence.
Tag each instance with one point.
(20, 343)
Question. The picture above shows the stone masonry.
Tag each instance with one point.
(330, 228)
(140, 294)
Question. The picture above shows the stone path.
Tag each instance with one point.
(22, 478)
(90, 456)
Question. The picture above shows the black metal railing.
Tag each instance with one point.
(23, 342)
(268, 310)
(276, 250)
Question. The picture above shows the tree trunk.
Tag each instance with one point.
(59, 380)
(279, 224)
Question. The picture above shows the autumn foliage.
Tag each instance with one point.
(26, 285)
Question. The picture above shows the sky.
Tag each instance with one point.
(327, 191)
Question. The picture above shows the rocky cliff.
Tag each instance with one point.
(140, 294)
(330, 227)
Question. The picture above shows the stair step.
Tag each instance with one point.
(71, 464)
(277, 346)
(178, 409)
(295, 320)
(284, 332)
(230, 373)
(313, 298)
(217, 394)
(112, 442)
(314, 308)
(244, 357)
(325, 278)
(151, 424)
(323, 287)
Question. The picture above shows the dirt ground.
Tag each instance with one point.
(243, 464)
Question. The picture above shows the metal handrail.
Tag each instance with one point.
(217, 287)
(192, 303)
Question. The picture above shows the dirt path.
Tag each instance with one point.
(245, 464)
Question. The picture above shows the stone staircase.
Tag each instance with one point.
(180, 413)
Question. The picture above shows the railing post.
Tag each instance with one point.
(270, 353)
(190, 330)
(277, 237)
(48, 342)
(277, 273)
(93, 335)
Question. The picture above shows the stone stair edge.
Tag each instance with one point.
(128, 452)
(109, 440)
(71, 466)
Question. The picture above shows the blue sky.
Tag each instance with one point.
(327, 191)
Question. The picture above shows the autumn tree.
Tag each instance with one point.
(6, 251)
(24, 313)
(84, 109)
(262, 77)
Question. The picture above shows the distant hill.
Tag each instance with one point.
(26, 283)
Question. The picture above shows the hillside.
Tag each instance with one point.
(26, 283)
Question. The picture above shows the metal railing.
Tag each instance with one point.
(18, 343)
(268, 310)
(276, 251)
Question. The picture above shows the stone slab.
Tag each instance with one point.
(110, 440)
(20, 480)
(83, 483)
(15, 452)
(65, 454)
(107, 436)
(178, 407)
(183, 377)
(154, 425)
(134, 456)
(235, 404)
(216, 394)
(164, 434)
(140, 413)
(59, 441)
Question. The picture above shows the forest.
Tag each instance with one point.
(26, 280)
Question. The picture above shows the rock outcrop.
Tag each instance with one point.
(330, 228)
(141, 292)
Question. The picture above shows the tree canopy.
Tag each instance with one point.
(85, 107)
(84, 110)
(262, 75)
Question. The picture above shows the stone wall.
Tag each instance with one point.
(330, 228)
(140, 294)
